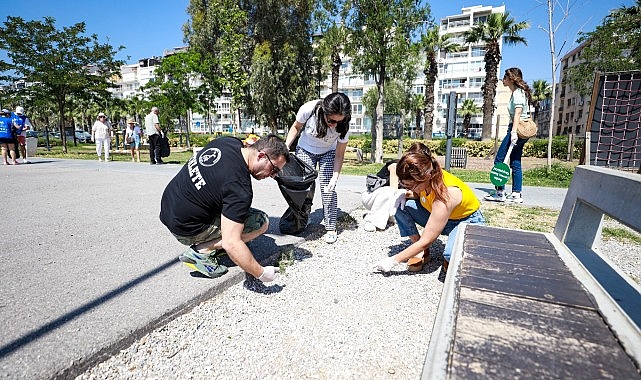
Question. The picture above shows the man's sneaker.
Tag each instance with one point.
(497, 196)
(514, 198)
(207, 264)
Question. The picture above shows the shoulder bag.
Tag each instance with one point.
(526, 128)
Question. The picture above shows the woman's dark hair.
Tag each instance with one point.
(333, 104)
(516, 76)
(417, 166)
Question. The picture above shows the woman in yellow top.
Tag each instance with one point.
(440, 203)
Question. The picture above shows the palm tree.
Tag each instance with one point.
(497, 26)
(467, 110)
(431, 42)
(541, 91)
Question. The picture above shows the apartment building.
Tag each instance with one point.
(463, 71)
(571, 108)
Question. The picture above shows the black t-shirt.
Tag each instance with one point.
(215, 182)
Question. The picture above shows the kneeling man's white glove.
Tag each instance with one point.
(269, 274)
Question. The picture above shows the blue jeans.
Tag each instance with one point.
(515, 160)
(414, 213)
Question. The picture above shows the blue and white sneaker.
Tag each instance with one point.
(497, 196)
(207, 264)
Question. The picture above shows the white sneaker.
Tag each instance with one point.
(99, 159)
(24, 161)
(369, 227)
(331, 237)
(514, 198)
(497, 196)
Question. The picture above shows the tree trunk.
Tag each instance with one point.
(380, 107)
(431, 74)
(61, 126)
(336, 67)
(492, 59)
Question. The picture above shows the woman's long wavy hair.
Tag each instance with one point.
(516, 76)
(333, 104)
(419, 166)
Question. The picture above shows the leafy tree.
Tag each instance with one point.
(541, 90)
(467, 110)
(497, 26)
(330, 27)
(218, 30)
(615, 45)
(175, 82)
(380, 45)
(58, 63)
(431, 43)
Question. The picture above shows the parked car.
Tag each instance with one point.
(31, 133)
(83, 136)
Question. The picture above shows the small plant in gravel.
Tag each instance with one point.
(286, 259)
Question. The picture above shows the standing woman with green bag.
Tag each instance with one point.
(518, 108)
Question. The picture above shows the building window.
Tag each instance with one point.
(357, 109)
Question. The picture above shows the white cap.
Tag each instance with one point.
(101, 114)
(20, 110)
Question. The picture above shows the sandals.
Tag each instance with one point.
(415, 264)
(331, 237)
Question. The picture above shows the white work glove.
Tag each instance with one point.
(401, 198)
(332, 184)
(269, 274)
(385, 265)
(514, 138)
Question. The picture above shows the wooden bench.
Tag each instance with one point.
(520, 304)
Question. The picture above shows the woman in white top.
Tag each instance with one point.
(101, 134)
(518, 108)
(322, 143)
(133, 133)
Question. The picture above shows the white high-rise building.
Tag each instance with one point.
(463, 71)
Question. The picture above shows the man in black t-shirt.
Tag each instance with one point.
(207, 204)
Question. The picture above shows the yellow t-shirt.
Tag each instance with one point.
(469, 203)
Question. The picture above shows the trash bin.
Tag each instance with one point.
(31, 146)
(297, 182)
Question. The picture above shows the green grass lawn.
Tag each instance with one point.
(558, 176)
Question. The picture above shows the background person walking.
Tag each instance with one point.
(322, 143)
(518, 108)
(101, 134)
(154, 133)
(21, 124)
(7, 140)
(132, 138)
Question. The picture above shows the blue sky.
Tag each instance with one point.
(146, 27)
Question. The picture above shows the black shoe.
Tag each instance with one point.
(152, 163)
(160, 162)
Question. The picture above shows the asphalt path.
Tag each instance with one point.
(87, 267)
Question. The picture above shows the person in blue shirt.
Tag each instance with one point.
(21, 123)
(7, 140)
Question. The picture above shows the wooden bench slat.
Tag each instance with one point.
(501, 336)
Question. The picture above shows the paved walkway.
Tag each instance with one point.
(87, 267)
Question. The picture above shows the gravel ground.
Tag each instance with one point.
(327, 317)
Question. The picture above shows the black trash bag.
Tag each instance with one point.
(297, 182)
(165, 150)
